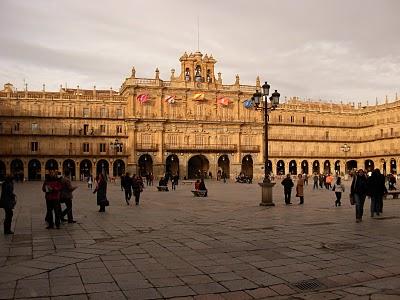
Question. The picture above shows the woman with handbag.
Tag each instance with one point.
(101, 190)
(359, 191)
(8, 202)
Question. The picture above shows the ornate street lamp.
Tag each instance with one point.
(260, 101)
(345, 148)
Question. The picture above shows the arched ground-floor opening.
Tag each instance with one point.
(304, 167)
(369, 165)
(51, 165)
(337, 167)
(69, 169)
(292, 167)
(3, 171)
(198, 166)
(103, 167)
(247, 166)
(393, 166)
(118, 168)
(17, 169)
(327, 167)
(351, 166)
(85, 168)
(280, 167)
(172, 165)
(315, 167)
(145, 165)
(34, 170)
(223, 165)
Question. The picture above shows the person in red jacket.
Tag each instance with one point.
(52, 189)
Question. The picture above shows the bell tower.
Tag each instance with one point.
(197, 68)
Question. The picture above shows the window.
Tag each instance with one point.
(173, 139)
(199, 110)
(102, 147)
(199, 140)
(103, 112)
(85, 147)
(280, 118)
(326, 134)
(16, 127)
(85, 129)
(34, 146)
(119, 147)
(292, 119)
(103, 128)
(119, 128)
(35, 126)
(391, 131)
(224, 140)
(147, 139)
(86, 112)
(381, 132)
(119, 112)
(304, 120)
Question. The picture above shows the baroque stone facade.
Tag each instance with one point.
(189, 125)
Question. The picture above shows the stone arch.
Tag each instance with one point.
(69, 168)
(3, 171)
(337, 167)
(369, 165)
(172, 165)
(145, 165)
(17, 169)
(393, 166)
(224, 164)
(304, 167)
(280, 167)
(247, 165)
(198, 166)
(85, 167)
(34, 170)
(102, 166)
(51, 165)
(293, 167)
(315, 167)
(118, 168)
(351, 165)
(327, 167)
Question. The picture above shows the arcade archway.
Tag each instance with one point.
(172, 165)
(34, 170)
(327, 167)
(293, 167)
(315, 167)
(369, 165)
(145, 165)
(103, 167)
(247, 166)
(393, 166)
(17, 169)
(2, 170)
(280, 167)
(304, 167)
(51, 165)
(118, 168)
(351, 166)
(198, 166)
(337, 167)
(85, 168)
(223, 165)
(69, 168)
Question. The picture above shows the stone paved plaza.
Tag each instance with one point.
(222, 247)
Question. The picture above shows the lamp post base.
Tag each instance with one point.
(266, 198)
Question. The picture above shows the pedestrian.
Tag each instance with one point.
(127, 186)
(305, 177)
(66, 197)
(321, 181)
(101, 190)
(52, 189)
(392, 182)
(137, 187)
(122, 177)
(315, 178)
(338, 188)
(90, 181)
(359, 191)
(376, 190)
(8, 202)
(202, 187)
(173, 182)
(224, 176)
(287, 188)
(300, 188)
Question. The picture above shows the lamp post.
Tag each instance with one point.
(117, 146)
(345, 148)
(260, 101)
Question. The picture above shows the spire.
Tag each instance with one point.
(157, 73)
(237, 81)
(133, 73)
(258, 82)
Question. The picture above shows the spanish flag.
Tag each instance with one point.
(224, 101)
(142, 98)
(170, 99)
(199, 96)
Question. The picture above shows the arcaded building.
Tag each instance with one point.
(192, 125)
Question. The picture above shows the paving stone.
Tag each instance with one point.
(117, 295)
(176, 291)
(239, 284)
(101, 287)
(239, 295)
(66, 286)
(261, 293)
(165, 282)
(32, 288)
(195, 279)
(204, 288)
(282, 289)
(150, 293)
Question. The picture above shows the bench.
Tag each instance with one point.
(200, 193)
(395, 194)
(188, 181)
(162, 189)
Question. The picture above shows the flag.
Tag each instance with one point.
(224, 101)
(142, 98)
(248, 103)
(170, 99)
(199, 96)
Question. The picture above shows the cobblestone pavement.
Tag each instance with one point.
(226, 246)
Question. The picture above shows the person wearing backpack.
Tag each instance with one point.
(52, 189)
(338, 188)
(7, 202)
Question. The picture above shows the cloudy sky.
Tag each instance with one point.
(320, 49)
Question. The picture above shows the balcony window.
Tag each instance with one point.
(119, 112)
(119, 128)
(103, 128)
(86, 112)
(292, 119)
(35, 126)
(103, 112)
(16, 127)
(85, 147)
(34, 146)
(102, 147)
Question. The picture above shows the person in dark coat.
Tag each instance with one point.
(287, 188)
(137, 187)
(101, 190)
(7, 202)
(359, 192)
(66, 197)
(127, 186)
(376, 190)
(202, 187)
(52, 189)
(300, 188)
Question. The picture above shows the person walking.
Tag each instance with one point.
(224, 176)
(137, 187)
(52, 189)
(173, 183)
(338, 188)
(66, 197)
(287, 188)
(127, 186)
(101, 190)
(321, 181)
(202, 187)
(315, 178)
(305, 177)
(300, 188)
(376, 190)
(90, 181)
(8, 202)
(358, 191)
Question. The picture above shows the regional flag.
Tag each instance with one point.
(170, 99)
(199, 96)
(224, 101)
(142, 98)
(248, 104)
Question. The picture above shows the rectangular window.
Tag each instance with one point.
(34, 146)
(292, 119)
(391, 131)
(102, 147)
(35, 126)
(280, 118)
(85, 129)
(103, 112)
(1, 127)
(86, 112)
(119, 128)
(304, 120)
(16, 127)
(381, 132)
(103, 128)
(86, 147)
(119, 112)
(326, 134)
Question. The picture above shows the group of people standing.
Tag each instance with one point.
(132, 184)
(288, 185)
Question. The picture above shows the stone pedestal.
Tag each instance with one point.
(266, 199)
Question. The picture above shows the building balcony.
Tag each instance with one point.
(147, 147)
(250, 148)
(200, 148)
(60, 153)
(62, 132)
